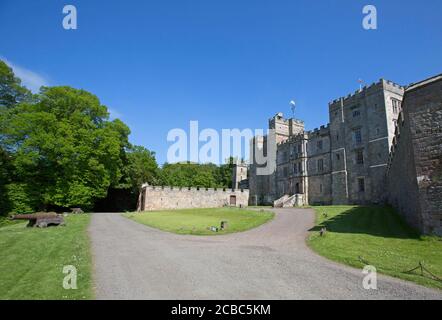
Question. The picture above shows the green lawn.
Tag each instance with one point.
(197, 221)
(32, 260)
(380, 237)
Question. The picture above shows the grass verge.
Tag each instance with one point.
(32, 260)
(381, 237)
(197, 221)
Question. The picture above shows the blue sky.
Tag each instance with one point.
(228, 64)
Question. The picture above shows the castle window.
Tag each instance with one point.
(361, 184)
(396, 105)
(358, 136)
(320, 165)
(338, 156)
(319, 144)
(356, 113)
(286, 172)
(300, 167)
(295, 168)
(359, 157)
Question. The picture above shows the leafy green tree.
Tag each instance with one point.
(196, 175)
(11, 90)
(11, 94)
(225, 173)
(142, 167)
(65, 146)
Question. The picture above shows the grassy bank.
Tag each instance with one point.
(32, 260)
(380, 237)
(197, 221)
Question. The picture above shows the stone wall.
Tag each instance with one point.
(415, 167)
(261, 186)
(319, 166)
(240, 176)
(160, 198)
(329, 165)
(368, 114)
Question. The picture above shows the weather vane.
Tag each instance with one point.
(293, 107)
(360, 84)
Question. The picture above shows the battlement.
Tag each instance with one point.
(381, 84)
(190, 189)
(322, 130)
(294, 138)
(279, 117)
(170, 197)
(393, 84)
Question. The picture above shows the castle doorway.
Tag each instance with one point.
(233, 200)
(297, 188)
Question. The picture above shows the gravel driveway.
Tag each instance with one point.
(133, 261)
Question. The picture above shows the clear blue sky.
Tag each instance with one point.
(229, 64)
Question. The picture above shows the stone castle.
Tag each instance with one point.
(343, 162)
(356, 158)
(383, 145)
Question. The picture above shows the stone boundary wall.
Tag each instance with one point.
(415, 166)
(161, 198)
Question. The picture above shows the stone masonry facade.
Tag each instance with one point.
(162, 198)
(342, 162)
(240, 175)
(383, 145)
(414, 176)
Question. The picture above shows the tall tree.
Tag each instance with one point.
(11, 90)
(66, 147)
(11, 94)
(142, 167)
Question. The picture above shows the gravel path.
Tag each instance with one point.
(133, 261)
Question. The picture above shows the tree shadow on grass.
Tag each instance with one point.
(374, 220)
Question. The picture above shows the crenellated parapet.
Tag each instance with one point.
(321, 131)
(170, 197)
(366, 90)
(191, 189)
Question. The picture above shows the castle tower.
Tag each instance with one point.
(361, 133)
(239, 175)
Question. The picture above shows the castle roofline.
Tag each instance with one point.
(321, 129)
(423, 83)
(280, 116)
(381, 81)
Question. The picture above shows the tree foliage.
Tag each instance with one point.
(11, 90)
(142, 167)
(59, 149)
(11, 93)
(65, 146)
(197, 175)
